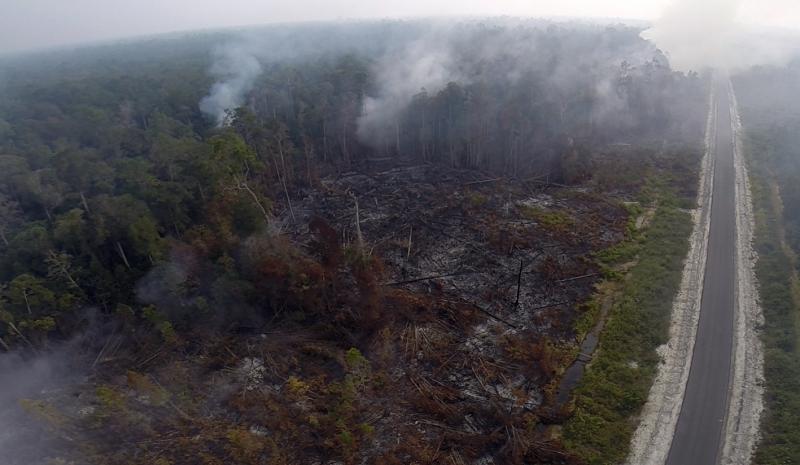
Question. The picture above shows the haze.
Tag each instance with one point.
(31, 24)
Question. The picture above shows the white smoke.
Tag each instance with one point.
(565, 57)
(426, 64)
(23, 437)
(236, 70)
(700, 34)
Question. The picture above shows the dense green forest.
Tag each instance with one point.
(135, 200)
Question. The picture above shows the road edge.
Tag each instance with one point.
(659, 417)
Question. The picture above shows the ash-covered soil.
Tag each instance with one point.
(511, 249)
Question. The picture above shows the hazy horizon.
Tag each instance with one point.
(28, 25)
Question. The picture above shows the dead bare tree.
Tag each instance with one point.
(59, 266)
(242, 185)
(408, 251)
(359, 235)
(14, 328)
(122, 255)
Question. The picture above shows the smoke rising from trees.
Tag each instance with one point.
(426, 63)
(237, 71)
(507, 63)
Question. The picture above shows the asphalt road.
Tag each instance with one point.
(698, 434)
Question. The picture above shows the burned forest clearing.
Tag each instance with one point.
(372, 243)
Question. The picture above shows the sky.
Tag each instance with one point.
(32, 24)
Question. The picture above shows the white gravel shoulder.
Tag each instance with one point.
(653, 437)
(746, 395)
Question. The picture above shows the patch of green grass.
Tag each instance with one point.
(590, 313)
(552, 219)
(616, 383)
(611, 259)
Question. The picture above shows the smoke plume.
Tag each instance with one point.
(236, 70)
(426, 64)
(570, 61)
